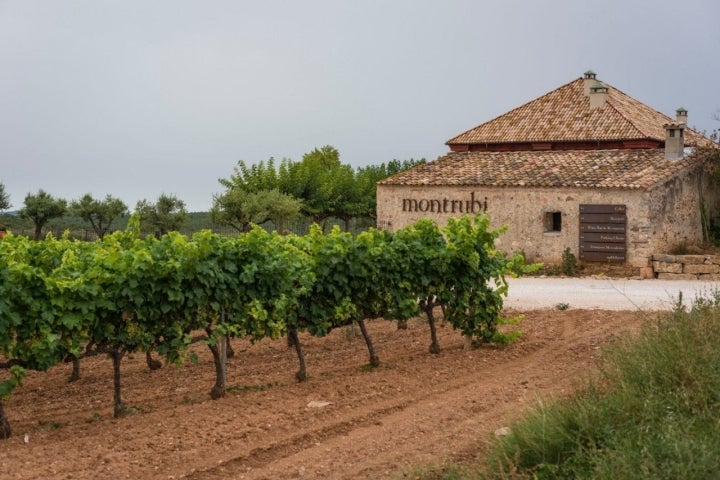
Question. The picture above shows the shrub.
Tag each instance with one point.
(568, 265)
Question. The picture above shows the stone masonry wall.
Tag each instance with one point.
(660, 219)
(674, 212)
(686, 267)
(524, 210)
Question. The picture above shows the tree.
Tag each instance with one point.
(367, 178)
(254, 179)
(98, 213)
(4, 198)
(240, 209)
(310, 180)
(326, 187)
(343, 197)
(42, 207)
(166, 215)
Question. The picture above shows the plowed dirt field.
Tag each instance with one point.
(346, 422)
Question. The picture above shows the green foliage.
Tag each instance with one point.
(40, 321)
(4, 198)
(320, 183)
(128, 293)
(240, 208)
(253, 179)
(568, 263)
(325, 304)
(313, 179)
(100, 214)
(40, 208)
(476, 285)
(17, 374)
(653, 414)
(166, 215)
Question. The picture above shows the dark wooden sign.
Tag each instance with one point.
(603, 218)
(602, 237)
(602, 247)
(592, 208)
(603, 257)
(607, 228)
(603, 233)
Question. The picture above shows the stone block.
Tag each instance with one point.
(677, 276)
(714, 259)
(647, 272)
(709, 277)
(664, 257)
(667, 267)
(691, 259)
(702, 268)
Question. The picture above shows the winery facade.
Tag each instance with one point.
(584, 167)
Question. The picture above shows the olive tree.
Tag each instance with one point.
(240, 209)
(166, 215)
(100, 214)
(42, 207)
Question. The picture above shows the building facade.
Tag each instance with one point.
(584, 167)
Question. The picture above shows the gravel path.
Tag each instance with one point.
(604, 293)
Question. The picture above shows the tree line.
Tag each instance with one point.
(317, 187)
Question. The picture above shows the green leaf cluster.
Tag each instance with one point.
(319, 186)
(128, 293)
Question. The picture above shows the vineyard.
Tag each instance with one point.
(64, 301)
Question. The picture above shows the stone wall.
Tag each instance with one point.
(525, 212)
(674, 211)
(686, 267)
(658, 219)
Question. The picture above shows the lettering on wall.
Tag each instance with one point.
(445, 205)
(603, 235)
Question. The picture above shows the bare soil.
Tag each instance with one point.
(347, 421)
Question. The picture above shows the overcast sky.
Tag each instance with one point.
(135, 98)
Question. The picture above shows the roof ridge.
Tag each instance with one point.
(569, 113)
(515, 109)
(631, 120)
(611, 105)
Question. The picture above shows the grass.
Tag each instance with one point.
(653, 412)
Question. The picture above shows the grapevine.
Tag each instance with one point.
(63, 299)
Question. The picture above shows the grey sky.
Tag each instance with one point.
(135, 98)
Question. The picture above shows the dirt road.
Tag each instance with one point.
(605, 293)
(346, 422)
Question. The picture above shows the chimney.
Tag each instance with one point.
(681, 115)
(598, 95)
(588, 81)
(674, 141)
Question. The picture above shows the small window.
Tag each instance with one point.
(553, 222)
(672, 133)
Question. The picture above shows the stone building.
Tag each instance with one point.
(584, 167)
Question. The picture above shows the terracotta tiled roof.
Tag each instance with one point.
(627, 169)
(564, 115)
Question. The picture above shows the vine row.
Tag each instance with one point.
(62, 300)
